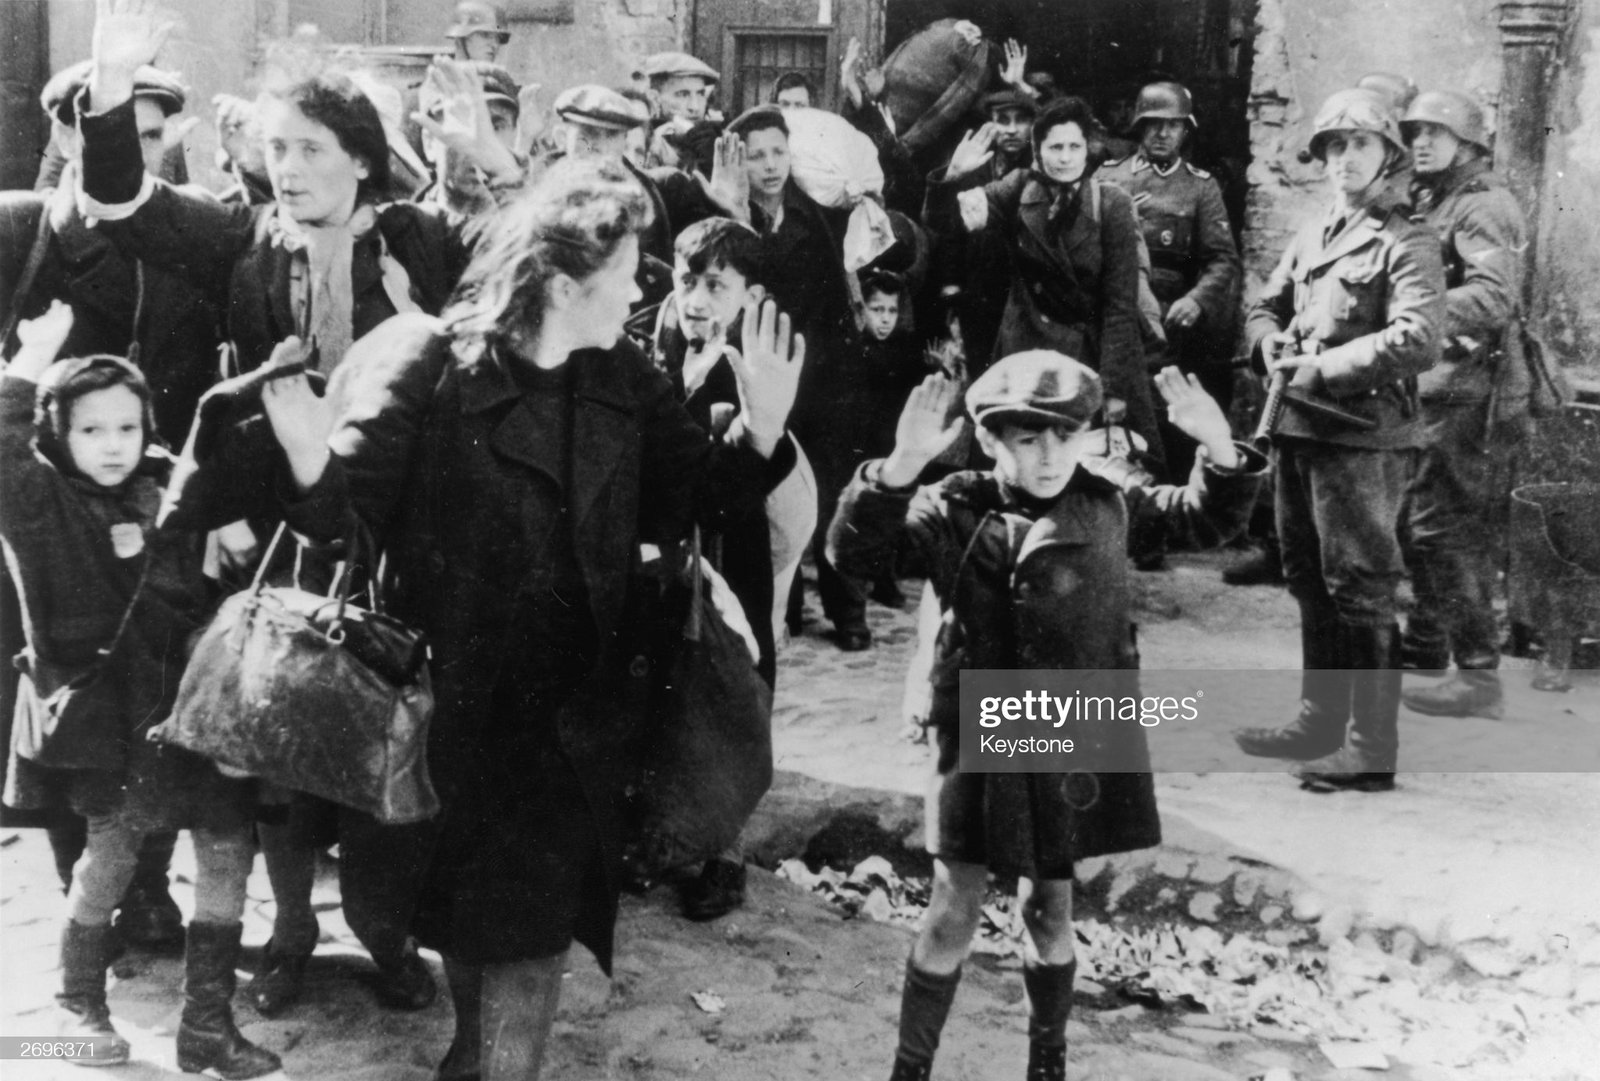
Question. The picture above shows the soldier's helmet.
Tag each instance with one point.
(1399, 89)
(1355, 109)
(1164, 101)
(478, 17)
(1455, 112)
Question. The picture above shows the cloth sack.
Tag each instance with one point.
(711, 756)
(932, 80)
(837, 166)
(314, 694)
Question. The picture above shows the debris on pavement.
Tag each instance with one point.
(709, 1001)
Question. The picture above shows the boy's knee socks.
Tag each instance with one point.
(1049, 1001)
(924, 1005)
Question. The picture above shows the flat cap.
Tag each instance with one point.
(1009, 99)
(668, 65)
(60, 95)
(498, 85)
(600, 107)
(1038, 387)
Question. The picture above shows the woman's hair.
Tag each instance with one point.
(1070, 110)
(305, 78)
(64, 382)
(788, 81)
(571, 222)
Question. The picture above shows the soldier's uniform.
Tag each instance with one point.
(1457, 501)
(1368, 291)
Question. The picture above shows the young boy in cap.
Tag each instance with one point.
(1029, 565)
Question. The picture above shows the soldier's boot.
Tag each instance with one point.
(1325, 694)
(1265, 568)
(1474, 690)
(1368, 763)
(84, 1017)
(924, 1006)
(1049, 1002)
(1467, 692)
(208, 1041)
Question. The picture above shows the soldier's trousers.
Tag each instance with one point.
(1453, 532)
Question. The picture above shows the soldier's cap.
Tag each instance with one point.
(480, 17)
(498, 85)
(600, 107)
(60, 95)
(1037, 388)
(672, 65)
(1008, 99)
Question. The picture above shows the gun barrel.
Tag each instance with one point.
(1271, 411)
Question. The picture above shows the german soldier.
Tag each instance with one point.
(1461, 481)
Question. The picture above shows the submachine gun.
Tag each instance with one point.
(1281, 395)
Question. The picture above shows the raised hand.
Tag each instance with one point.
(41, 341)
(923, 432)
(127, 35)
(301, 421)
(1196, 414)
(972, 152)
(768, 370)
(729, 186)
(1016, 65)
(850, 72)
(530, 118)
(464, 124)
(239, 133)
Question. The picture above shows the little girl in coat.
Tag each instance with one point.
(109, 605)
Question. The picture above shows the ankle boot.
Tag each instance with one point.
(148, 916)
(207, 1039)
(1324, 694)
(1049, 1003)
(924, 1006)
(404, 981)
(84, 1015)
(1469, 692)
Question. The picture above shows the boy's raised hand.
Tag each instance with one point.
(972, 152)
(127, 35)
(464, 125)
(301, 421)
(768, 370)
(923, 432)
(729, 186)
(41, 341)
(1195, 413)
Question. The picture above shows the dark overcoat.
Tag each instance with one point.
(1021, 589)
(441, 459)
(1075, 291)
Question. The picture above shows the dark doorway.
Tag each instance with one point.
(1105, 50)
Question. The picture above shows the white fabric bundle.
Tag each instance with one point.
(838, 167)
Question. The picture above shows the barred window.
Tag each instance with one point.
(760, 58)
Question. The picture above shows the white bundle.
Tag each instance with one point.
(838, 167)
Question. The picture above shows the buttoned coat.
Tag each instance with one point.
(1372, 298)
(1041, 590)
(1076, 293)
(1481, 233)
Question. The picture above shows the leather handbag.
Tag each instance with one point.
(711, 758)
(313, 693)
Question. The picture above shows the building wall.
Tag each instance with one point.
(1305, 51)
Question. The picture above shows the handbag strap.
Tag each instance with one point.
(30, 270)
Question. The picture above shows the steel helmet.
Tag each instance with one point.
(1164, 101)
(1456, 112)
(1355, 109)
(1399, 89)
(480, 17)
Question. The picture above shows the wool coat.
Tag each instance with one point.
(443, 461)
(1030, 588)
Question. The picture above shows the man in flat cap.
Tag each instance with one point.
(684, 125)
(125, 308)
(1028, 562)
(479, 31)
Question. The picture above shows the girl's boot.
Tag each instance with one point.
(85, 1017)
(207, 1038)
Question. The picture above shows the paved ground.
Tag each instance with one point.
(1451, 923)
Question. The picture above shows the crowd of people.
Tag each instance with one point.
(523, 348)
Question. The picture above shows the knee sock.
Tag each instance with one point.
(1049, 1001)
(924, 1005)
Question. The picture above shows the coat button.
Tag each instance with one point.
(639, 667)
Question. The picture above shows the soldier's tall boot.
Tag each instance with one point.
(1325, 688)
(1368, 763)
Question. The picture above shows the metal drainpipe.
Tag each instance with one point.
(1530, 40)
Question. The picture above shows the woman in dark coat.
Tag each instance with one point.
(1074, 251)
(511, 460)
(327, 261)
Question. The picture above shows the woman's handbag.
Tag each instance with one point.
(312, 693)
(711, 761)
